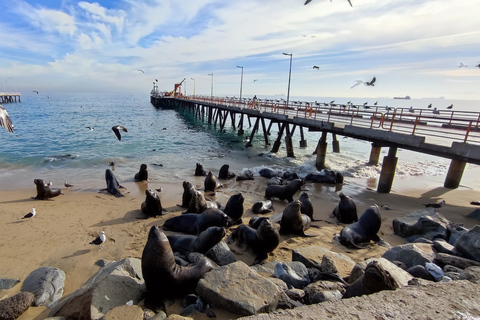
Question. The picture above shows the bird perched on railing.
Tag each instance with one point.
(5, 120)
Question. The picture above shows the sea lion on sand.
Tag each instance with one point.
(284, 192)
(293, 221)
(261, 241)
(224, 173)
(193, 223)
(262, 207)
(325, 176)
(112, 184)
(44, 192)
(197, 204)
(362, 231)
(142, 175)
(201, 243)
(152, 205)
(199, 171)
(307, 206)
(188, 191)
(346, 210)
(247, 175)
(255, 221)
(267, 173)
(275, 181)
(234, 208)
(210, 183)
(164, 279)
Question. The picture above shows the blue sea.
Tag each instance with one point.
(52, 142)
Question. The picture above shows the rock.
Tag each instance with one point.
(6, 284)
(110, 287)
(280, 283)
(475, 214)
(420, 272)
(312, 257)
(443, 246)
(296, 294)
(471, 274)
(328, 264)
(124, 312)
(266, 269)
(422, 240)
(221, 254)
(459, 262)
(13, 307)
(449, 268)
(102, 262)
(294, 273)
(178, 317)
(238, 289)
(469, 244)
(323, 296)
(426, 223)
(285, 302)
(411, 254)
(46, 284)
(321, 286)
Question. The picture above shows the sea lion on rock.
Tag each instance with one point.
(199, 171)
(201, 243)
(224, 173)
(284, 192)
(247, 175)
(364, 230)
(307, 206)
(234, 208)
(261, 241)
(293, 221)
(152, 205)
(262, 207)
(346, 210)
(193, 223)
(164, 279)
(188, 191)
(44, 192)
(112, 184)
(142, 175)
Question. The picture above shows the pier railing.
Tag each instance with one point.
(445, 124)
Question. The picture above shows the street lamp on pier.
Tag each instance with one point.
(211, 90)
(241, 83)
(193, 87)
(289, 77)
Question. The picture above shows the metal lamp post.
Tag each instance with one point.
(193, 87)
(211, 90)
(241, 83)
(289, 77)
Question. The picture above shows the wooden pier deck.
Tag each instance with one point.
(449, 134)
(9, 97)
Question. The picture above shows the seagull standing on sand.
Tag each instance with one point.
(116, 130)
(31, 214)
(68, 185)
(5, 120)
(99, 240)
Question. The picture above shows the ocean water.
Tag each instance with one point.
(51, 142)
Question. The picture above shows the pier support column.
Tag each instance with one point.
(240, 132)
(388, 171)
(374, 154)
(321, 152)
(289, 146)
(276, 144)
(454, 174)
(335, 143)
(303, 142)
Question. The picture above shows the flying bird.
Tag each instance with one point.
(461, 65)
(308, 1)
(5, 120)
(31, 214)
(141, 70)
(90, 128)
(437, 204)
(372, 82)
(255, 80)
(99, 240)
(478, 65)
(316, 67)
(35, 91)
(357, 83)
(116, 130)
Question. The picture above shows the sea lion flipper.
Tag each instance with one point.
(260, 258)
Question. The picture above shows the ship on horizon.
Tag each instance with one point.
(406, 97)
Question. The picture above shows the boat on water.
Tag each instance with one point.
(406, 97)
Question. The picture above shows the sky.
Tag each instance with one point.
(412, 47)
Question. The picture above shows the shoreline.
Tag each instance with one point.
(59, 234)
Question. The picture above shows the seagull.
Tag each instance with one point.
(450, 106)
(141, 70)
(358, 82)
(429, 106)
(462, 65)
(68, 185)
(411, 109)
(478, 65)
(316, 67)
(435, 111)
(5, 120)
(116, 130)
(100, 239)
(308, 1)
(372, 82)
(35, 91)
(438, 204)
(90, 128)
(255, 80)
(50, 183)
(31, 214)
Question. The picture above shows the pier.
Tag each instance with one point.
(9, 97)
(449, 134)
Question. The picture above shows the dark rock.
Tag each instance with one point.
(475, 214)
(420, 272)
(312, 257)
(46, 284)
(315, 291)
(294, 274)
(221, 254)
(456, 261)
(443, 246)
(285, 302)
(454, 232)
(471, 274)
(410, 254)
(426, 223)
(469, 245)
(296, 294)
(13, 307)
(6, 284)
(422, 240)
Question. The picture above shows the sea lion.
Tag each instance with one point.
(234, 208)
(112, 184)
(142, 175)
(152, 205)
(197, 204)
(44, 192)
(193, 223)
(188, 191)
(284, 192)
(293, 221)
(267, 173)
(275, 181)
(164, 279)
(255, 221)
(201, 243)
(199, 171)
(325, 176)
(262, 207)
(247, 175)
(307, 206)
(224, 173)
(346, 210)
(261, 241)
(362, 231)
(210, 182)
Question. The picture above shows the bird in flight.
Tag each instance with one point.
(461, 65)
(141, 70)
(372, 82)
(316, 67)
(5, 120)
(357, 83)
(478, 65)
(35, 91)
(308, 1)
(116, 130)
(90, 128)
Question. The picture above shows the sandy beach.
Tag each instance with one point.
(59, 234)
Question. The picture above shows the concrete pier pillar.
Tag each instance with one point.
(289, 146)
(388, 171)
(335, 143)
(240, 132)
(454, 174)
(303, 142)
(374, 154)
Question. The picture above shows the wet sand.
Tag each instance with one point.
(59, 234)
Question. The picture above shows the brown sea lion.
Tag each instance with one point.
(44, 192)
(199, 171)
(284, 192)
(262, 207)
(152, 206)
(164, 279)
(188, 191)
(197, 204)
(112, 184)
(293, 221)
(364, 230)
(307, 206)
(224, 173)
(142, 175)
(201, 243)
(346, 210)
(193, 223)
(234, 208)
(247, 175)
(210, 183)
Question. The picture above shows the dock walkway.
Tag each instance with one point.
(9, 97)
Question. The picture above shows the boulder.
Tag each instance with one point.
(46, 284)
(426, 223)
(124, 312)
(469, 244)
(420, 272)
(239, 289)
(110, 287)
(475, 214)
(294, 274)
(313, 256)
(221, 254)
(456, 261)
(323, 296)
(443, 246)
(316, 291)
(411, 254)
(13, 307)
(454, 232)
(6, 284)
(471, 274)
